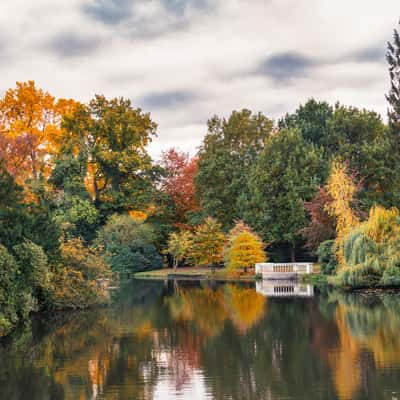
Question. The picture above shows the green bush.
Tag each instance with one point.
(15, 300)
(129, 245)
(326, 257)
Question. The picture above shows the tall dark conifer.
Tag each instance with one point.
(393, 97)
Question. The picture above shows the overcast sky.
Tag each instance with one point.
(185, 60)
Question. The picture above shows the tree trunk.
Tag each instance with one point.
(293, 252)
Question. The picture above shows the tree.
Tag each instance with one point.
(355, 136)
(287, 173)
(370, 251)
(76, 281)
(229, 149)
(312, 119)
(29, 127)
(245, 249)
(322, 225)
(179, 182)
(393, 97)
(342, 190)
(9, 296)
(179, 244)
(208, 243)
(129, 245)
(34, 269)
(111, 137)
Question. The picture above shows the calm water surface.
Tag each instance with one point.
(188, 340)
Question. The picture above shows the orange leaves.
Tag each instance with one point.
(30, 121)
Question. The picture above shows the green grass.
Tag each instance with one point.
(191, 272)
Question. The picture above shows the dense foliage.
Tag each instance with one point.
(81, 198)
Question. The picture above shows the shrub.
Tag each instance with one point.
(326, 257)
(15, 301)
(76, 279)
(34, 268)
(129, 245)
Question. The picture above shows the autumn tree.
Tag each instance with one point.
(178, 183)
(29, 129)
(208, 243)
(244, 250)
(178, 246)
(322, 225)
(342, 190)
(111, 136)
(229, 149)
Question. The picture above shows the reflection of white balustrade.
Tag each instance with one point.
(283, 270)
(284, 289)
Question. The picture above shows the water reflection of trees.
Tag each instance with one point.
(368, 343)
(244, 346)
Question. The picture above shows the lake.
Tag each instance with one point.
(198, 340)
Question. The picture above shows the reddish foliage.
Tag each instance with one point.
(322, 225)
(179, 181)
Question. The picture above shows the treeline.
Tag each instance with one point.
(80, 197)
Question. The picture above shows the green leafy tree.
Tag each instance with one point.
(9, 297)
(229, 149)
(34, 268)
(312, 119)
(112, 136)
(208, 243)
(287, 173)
(129, 245)
(357, 137)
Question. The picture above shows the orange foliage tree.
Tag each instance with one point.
(30, 121)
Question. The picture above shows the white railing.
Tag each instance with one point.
(284, 289)
(284, 268)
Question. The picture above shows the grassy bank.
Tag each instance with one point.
(194, 273)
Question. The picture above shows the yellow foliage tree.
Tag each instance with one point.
(179, 244)
(244, 251)
(342, 189)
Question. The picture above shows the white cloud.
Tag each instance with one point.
(209, 50)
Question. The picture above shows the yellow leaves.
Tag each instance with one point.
(138, 216)
(342, 189)
(383, 224)
(245, 248)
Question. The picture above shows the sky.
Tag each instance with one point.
(187, 60)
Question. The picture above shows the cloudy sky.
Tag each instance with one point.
(185, 60)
